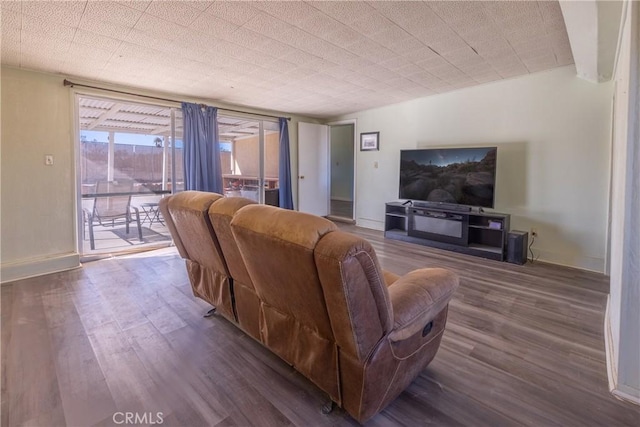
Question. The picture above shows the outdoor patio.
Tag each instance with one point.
(112, 239)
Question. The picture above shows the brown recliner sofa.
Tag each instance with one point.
(245, 298)
(187, 217)
(321, 300)
(199, 223)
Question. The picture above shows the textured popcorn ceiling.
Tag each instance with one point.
(312, 58)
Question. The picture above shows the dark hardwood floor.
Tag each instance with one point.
(523, 346)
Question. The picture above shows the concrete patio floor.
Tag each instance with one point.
(114, 239)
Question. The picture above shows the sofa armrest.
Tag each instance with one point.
(417, 298)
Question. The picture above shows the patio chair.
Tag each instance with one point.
(111, 208)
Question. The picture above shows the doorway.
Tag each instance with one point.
(342, 149)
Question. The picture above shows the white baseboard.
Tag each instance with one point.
(370, 223)
(570, 260)
(628, 394)
(23, 269)
(611, 359)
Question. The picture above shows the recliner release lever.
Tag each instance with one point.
(427, 329)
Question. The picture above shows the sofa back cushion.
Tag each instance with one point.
(247, 303)
(278, 248)
(164, 209)
(189, 211)
(221, 213)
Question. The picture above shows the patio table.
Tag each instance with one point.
(151, 212)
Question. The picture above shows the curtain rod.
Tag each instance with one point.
(72, 84)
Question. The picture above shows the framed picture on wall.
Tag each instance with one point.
(370, 141)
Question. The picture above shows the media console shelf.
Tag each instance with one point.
(474, 233)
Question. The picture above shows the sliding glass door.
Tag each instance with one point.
(249, 158)
(130, 156)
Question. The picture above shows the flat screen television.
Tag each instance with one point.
(464, 176)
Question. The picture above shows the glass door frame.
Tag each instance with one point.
(76, 94)
(261, 146)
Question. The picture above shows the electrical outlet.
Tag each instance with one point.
(534, 232)
(48, 160)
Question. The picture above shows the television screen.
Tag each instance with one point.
(463, 176)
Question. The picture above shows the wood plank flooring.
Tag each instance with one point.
(523, 346)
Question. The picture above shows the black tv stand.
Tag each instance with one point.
(438, 225)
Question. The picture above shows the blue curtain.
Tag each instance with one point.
(284, 167)
(202, 169)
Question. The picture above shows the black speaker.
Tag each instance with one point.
(517, 247)
(272, 197)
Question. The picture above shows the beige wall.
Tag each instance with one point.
(37, 214)
(38, 201)
(225, 162)
(553, 134)
(271, 155)
(247, 153)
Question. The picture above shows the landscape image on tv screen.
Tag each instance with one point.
(463, 176)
